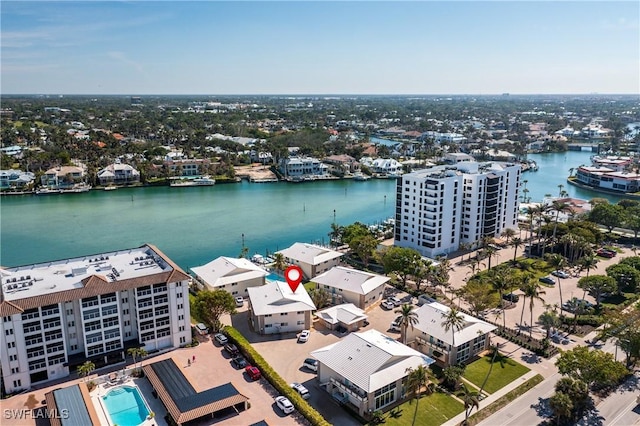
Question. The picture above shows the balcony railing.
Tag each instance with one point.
(351, 390)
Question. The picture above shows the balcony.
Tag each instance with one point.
(350, 390)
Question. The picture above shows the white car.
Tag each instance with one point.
(561, 274)
(304, 392)
(394, 300)
(386, 304)
(304, 336)
(311, 364)
(221, 339)
(239, 301)
(284, 404)
(395, 325)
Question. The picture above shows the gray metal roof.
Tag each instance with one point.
(70, 399)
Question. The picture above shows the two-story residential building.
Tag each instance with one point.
(188, 166)
(312, 259)
(274, 308)
(56, 315)
(430, 337)
(293, 167)
(347, 285)
(118, 174)
(367, 370)
(63, 177)
(15, 179)
(234, 276)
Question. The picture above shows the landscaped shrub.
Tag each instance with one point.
(274, 378)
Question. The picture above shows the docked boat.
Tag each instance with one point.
(79, 188)
(359, 176)
(110, 188)
(199, 181)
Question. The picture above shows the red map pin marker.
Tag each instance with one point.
(293, 275)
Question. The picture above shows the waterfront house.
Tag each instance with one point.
(62, 177)
(301, 167)
(312, 259)
(188, 166)
(232, 275)
(15, 179)
(457, 157)
(118, 174)
(343, 163)
(608, 179)
(59, 314)
(346, 316)
(383, 166)
(367, 370)
(430, 337)
(274, 308)
(347, 285)
(614, 162)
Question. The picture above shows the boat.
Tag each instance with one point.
(359, 176)
(199, 181)
(110, 188)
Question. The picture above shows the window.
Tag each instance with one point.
(125, 300)
(8, 331)
(17, 383)
(13, 357)
(11, 344)
(385, 395)
(15, 370)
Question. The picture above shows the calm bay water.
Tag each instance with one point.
(196, 225)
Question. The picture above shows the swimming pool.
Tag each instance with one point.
(274, 277)
(126, 406)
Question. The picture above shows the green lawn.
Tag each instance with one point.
(501, 375)
(434, 409)
(310, 286)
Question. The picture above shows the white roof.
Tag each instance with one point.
(430, 317)
(370, 360)
(227, 270)
(309, 253)
(276, 297)
(347, 313)
(352, 280)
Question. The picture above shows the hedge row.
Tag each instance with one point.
(274, 378)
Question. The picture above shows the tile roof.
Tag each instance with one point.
(353, 280)
(276, 297)
(371, 359)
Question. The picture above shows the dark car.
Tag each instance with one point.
(231, 349)
(239, 362)
(511, 297)
(603, 252)
(547, 280)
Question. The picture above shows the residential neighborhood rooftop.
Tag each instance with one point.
(353, 280)
(431, 316)
(309, 253)
(227, 270)
(276, 297)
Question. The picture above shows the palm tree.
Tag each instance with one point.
(588, 263)
(417, 379)
(470, 399)
(508, 234)
(408, 318)
(516, 243)
(548, 320)
(559, 207)
(495, 353)
(532, 290)
(557, 262)
(501, 282)
(279, 262)
(454, 321)
(85, 369)
(320, 297)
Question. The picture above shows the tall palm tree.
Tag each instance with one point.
(533, 291)
(508, 234)
(417, 379)
(559, 207)
(470, 399)
(500, 280)
(558, 262)
(454, 321)
(589, 262)
(408, 318)
(495, 353)
(85, 369)
(516, 243)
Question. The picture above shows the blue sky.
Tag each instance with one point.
(357, 47)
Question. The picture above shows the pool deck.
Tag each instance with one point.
(102, 389)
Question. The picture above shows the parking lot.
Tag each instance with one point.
(286, 355)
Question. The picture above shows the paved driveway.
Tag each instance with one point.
(286, 355)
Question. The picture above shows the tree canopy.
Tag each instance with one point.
(210, 305)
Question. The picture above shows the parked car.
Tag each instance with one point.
(253, 372)
(547, 280)
(603, 252)
(511, 297)
(284, 404)
(239, 302)
(304, 336)
(386, 304)
(221, 339)
(202, 329)
(561, 274)
(231, 349)
(304, 392)
(311, 364)
(395, 325)
(239, 362)
(575, 303)
(394, 300)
